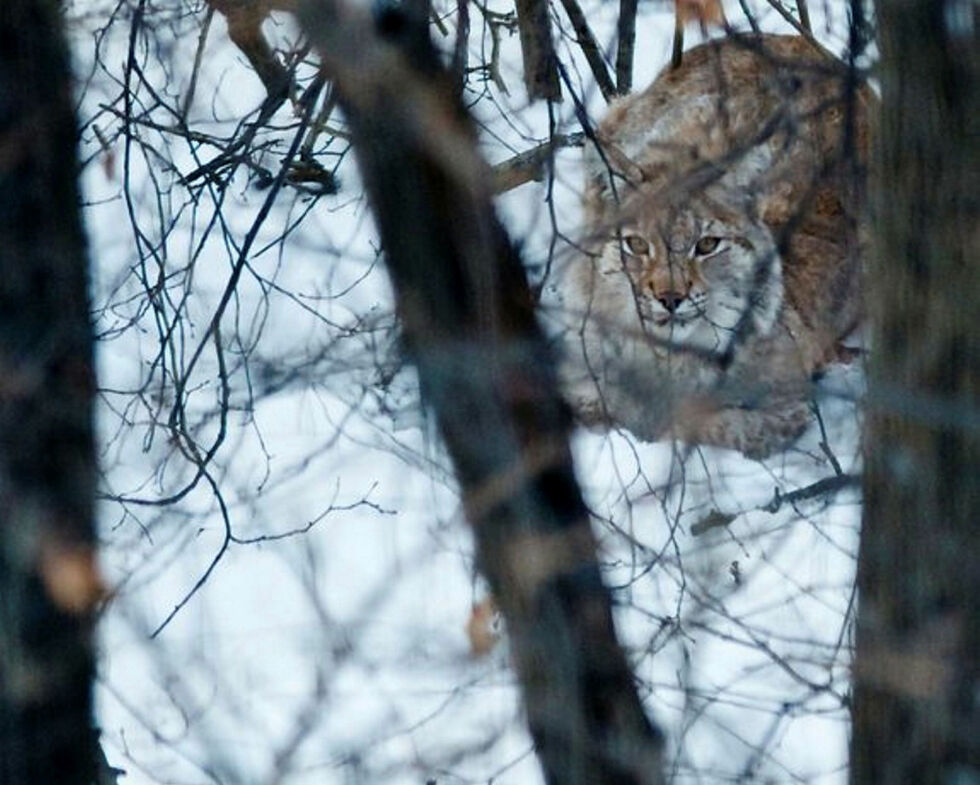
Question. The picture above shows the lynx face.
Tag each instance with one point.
(696, 273)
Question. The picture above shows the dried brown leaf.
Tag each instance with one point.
(705, 12)
(70, 574)
(483, 627)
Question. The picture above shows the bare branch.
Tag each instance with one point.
(529, 166)
(198, 56)
(823, 487)
(593, 55)
(802, 27)
(804, 12)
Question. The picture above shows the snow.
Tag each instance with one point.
(339, 654)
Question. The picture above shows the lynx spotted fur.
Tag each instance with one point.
(722, 259)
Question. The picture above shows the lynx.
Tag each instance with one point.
(722, 253)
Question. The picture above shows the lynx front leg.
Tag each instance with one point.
(756, 433)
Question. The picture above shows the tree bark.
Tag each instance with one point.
(626, 35)
(590, 48)
(538, 50)
(486, 373)
(917, 669)
(48, 580)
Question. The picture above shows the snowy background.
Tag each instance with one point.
(297, 612)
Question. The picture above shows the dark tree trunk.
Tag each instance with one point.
(917, 669)
(486, 373)
(538, 50)
(48, 582)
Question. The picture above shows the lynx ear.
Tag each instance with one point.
(777, 203)
(610, 177)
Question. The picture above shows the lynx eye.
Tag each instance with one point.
(636, 244)
(706, 245)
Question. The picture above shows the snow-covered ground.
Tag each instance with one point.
(322, 568)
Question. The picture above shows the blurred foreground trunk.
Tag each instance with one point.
(48, 581)
(917, 669)
(469, 325)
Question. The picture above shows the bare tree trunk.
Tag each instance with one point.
(48, 582)
(486, 373)
(538, 50)
(626, 33)
(917, 669)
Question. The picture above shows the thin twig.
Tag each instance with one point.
(825, 443)
(797, 24)
(677, 53)
(749, 17)
(590, 48)
(198, 57)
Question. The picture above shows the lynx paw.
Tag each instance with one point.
(773, 431)
(756, 433)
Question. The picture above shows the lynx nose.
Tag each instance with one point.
(669, 286)
(671, 300)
